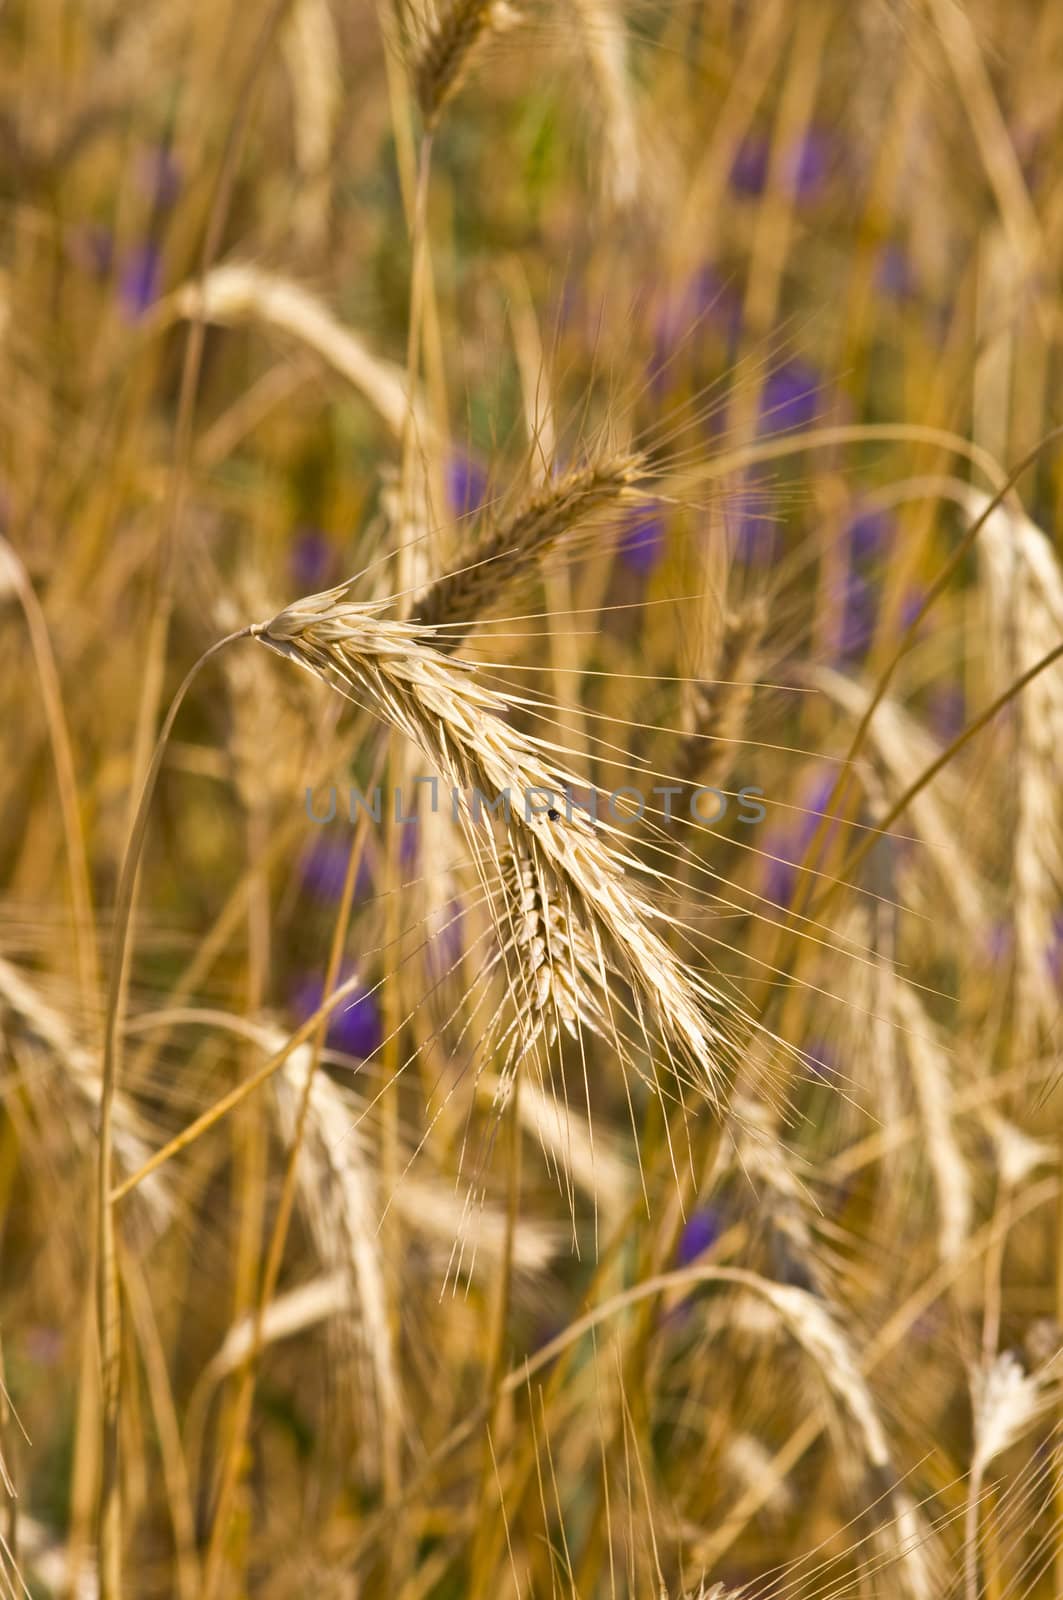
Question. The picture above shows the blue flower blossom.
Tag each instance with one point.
(643, 541)
(311, 559)
(325, 869)
(91, 247)
(805, 168)
(787, 844)
(869, 533)
(749, 166)
(702, 1229)
(911, 605)
(466, 484)
(140, 281)
(791, 398)
(1054, 954)
(355, 1027)
(752, 530)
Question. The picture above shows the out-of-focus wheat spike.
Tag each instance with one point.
(1006, 1401)
(450, 38)
(306, 1307)
(824, 1342)
(311, 52)
(1017, 1154)
(904, 749)
(750, 1460)
(238, 291)
(1023, 587)
(509, 552)
(477, 1234)
(47, 1556)
(603, 38)
(932, 1078)
(758, 1157)
(565, 1137)
(721, 706)
(464, 731)
(80, 1071)
(340, 1197)
(270, 743)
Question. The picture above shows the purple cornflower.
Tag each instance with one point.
(791, 398)
(999, 941)
(466, 484)
(445, 944)
(805, 167)
(716, 299)
(704, 304)
(643, 541)
(355, 1027)
(140, 280)
(700, 1233)
(749, 166)
(325, 869)
(869, 534)
(808, 164)
(787, 845)
(311, 559)
(753, 530)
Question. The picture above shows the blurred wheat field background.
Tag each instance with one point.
(647, 414)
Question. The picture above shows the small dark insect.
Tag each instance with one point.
(554, 816)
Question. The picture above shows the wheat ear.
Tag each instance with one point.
(447, 49)
(462, 728)
(721, 706)
(509, 552)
